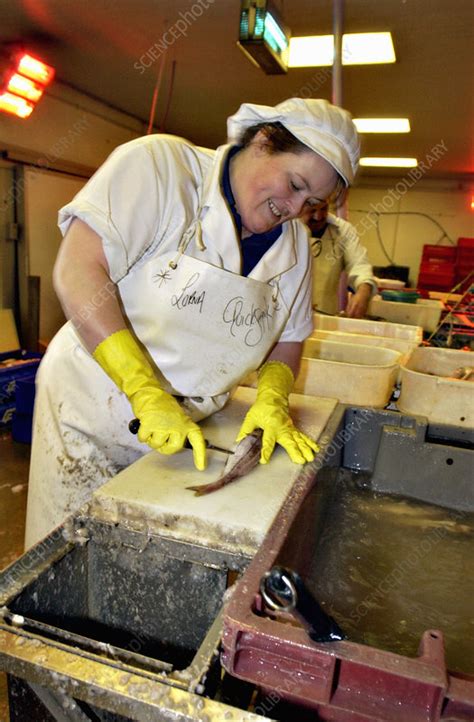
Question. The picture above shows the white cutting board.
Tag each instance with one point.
(151, 495)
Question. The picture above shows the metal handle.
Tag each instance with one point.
(133, 426)
(283, 589)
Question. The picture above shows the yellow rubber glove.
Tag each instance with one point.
(270, 412)
(163, 424)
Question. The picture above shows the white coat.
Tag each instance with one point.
(340, 250)
(142, 202)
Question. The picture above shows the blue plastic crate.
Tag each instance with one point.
(22, 427)
(6, 415)
(17, 414)
(10, 375)
(25, 395)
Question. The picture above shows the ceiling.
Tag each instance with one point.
(101, 47)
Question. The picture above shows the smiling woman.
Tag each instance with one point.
(273, 187)
(203, 272)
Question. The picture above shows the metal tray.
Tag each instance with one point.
(100, 622)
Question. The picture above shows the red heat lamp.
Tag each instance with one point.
(23, 84)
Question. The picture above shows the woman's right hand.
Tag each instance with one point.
(163, 424)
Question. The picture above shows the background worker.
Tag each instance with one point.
(336, 248)
(182, 270)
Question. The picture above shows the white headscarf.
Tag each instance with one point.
(325, 128)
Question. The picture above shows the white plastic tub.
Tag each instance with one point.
(351, 373)
(428, 389)
(425, 312)
(391, 283)
(364, 326)
(403, 346)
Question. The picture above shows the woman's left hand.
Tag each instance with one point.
(270, 412)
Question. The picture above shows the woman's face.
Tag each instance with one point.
(270, 188)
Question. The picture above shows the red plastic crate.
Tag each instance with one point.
(437, 276)
(465, 258)
(462, 269)
(465, 284)
(440, 269)
(465, 262)
(466, 243)
(439, 253)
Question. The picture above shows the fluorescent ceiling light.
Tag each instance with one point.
(367, 48)
(382, 125)
(357, 49)
(313, 50)
(389, 162)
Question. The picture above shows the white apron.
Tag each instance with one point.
(204, 327)
(327, 269)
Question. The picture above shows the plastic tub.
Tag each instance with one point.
(389, 283)
(363, 678)
(425, 312)
(403, 346)
(429, 389)
(400, 296)
(365, 326)
(351, 373)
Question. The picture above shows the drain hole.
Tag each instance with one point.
(449, 462)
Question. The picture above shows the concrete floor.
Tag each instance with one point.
(14, 463)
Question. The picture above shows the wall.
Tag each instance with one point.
(68, 136)
(45, 192)
(6, 246)
(447, 202)
(68, 127)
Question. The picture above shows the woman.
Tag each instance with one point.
(182, 269)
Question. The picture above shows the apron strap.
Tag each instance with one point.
(275, 284)
(194, 230)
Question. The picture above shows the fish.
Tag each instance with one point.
(463, 373)
(244, 459)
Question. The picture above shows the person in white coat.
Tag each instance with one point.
(182, 270)
(336, 247)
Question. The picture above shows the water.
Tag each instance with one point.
(389, 568)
